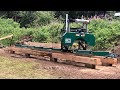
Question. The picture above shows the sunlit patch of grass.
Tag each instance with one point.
(16, 69)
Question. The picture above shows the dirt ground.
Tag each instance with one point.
(66, 71)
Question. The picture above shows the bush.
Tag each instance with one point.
(48, 33)
(106, 33)
(36, 18)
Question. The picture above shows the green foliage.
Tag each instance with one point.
(78, 14)
(40, 35)
(42, 18)
(54, 30)
(7, 26)
(107, 33)
(29, 19)
(36, 18)
(48, 33)
(75, 25)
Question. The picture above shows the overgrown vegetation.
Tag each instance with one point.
(107, 33)
(44, 27)
(48, 33)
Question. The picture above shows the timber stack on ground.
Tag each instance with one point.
(89, 61)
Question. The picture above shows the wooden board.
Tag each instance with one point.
(95, 60)
(108, 60)
(6, 37)
(30, 51)
(81, 59)
(48, 45)
(64, 56)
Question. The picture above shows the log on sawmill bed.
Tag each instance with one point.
(65, 56)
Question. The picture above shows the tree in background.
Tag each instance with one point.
(39, 18)
(29, 18)
(78, 14)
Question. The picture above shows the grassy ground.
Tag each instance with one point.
(16, 69)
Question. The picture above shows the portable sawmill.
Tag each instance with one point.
(74, 43)
(76, 38)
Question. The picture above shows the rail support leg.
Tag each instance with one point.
(27, 55)
(110, 64)
(12, 52)
(54, 59)
(90, 66)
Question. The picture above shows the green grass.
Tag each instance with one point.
(16, 69)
